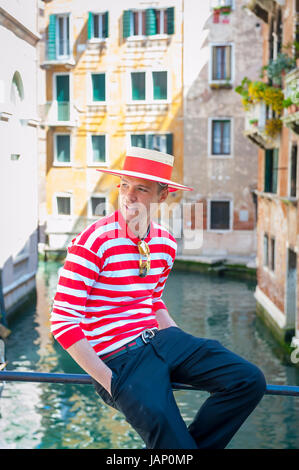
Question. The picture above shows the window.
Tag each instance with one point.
(272, 254)
(149, 86)
(221, 3)
(62, 84)
(98, 206)
(97, 26)
(266, 249)
(160, 85)
(219, 215)
(293, 170)
(98, 86)
(148, 22)
(63, 205)
(62, 148)
(271, 170)
(62, 36)
(138, 85)
(160, 142)
(221, 137)
(58, 44)
(221, 63)
(269, 252)
(98, 144)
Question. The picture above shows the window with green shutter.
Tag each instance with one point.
(98, 143)
(160, 85)
(170, 20)
(138, 85)
(98, 25)
(138, 140)
(271, 170)
(160, 142)
(98, 86)
(51, 43)
(148, 22)
(127, 23)
(151, 22)
(63, 148)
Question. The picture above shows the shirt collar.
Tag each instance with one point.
(127, 233)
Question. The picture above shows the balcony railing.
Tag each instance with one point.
(256, 119)
(59, 113)
(291, 113)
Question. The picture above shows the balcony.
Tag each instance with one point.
(60, 113)
(256, 119)
(59, 54)
(291, 113)
(261, 8)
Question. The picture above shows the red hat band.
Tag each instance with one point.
(149, 167)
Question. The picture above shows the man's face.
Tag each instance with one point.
(136, 196)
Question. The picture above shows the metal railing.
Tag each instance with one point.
(85, 379)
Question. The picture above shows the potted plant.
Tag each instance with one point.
(225, 10)
(253, 122)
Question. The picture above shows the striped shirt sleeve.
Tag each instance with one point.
(81, 269)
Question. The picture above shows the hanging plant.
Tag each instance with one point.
(255, 92)
(273, 127)
(279, 66)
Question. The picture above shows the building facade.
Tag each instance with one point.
(272, 123)
(219, 162)
(18, 136)
(113, 74)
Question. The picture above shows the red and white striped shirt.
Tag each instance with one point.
(100, 294)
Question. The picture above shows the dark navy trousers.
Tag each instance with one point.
(141, 389)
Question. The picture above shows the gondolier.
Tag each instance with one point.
(108, 313)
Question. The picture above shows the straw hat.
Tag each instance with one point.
(148, 164)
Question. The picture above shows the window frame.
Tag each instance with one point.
(89, 205)
(102, 15)
(147, 134)
(210, 136)
(56, 163)
(91, 102)
(293, 144)
(65, 194)
(54, 94)
(222, 81)
(89, 159)
(64, 16)
(215, 3)
(231, 213)
(274, 177)
(149, 87)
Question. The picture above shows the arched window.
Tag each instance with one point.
(17, 89)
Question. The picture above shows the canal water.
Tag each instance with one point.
(57, 416)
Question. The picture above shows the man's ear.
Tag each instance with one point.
(163, 195)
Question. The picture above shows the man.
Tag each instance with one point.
(109, 315)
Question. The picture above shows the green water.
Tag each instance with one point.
(56, 416)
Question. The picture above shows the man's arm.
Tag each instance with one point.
(164, 319)
(83, 353)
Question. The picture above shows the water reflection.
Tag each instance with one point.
(72, 416)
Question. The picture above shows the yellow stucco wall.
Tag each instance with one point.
(117, 58)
